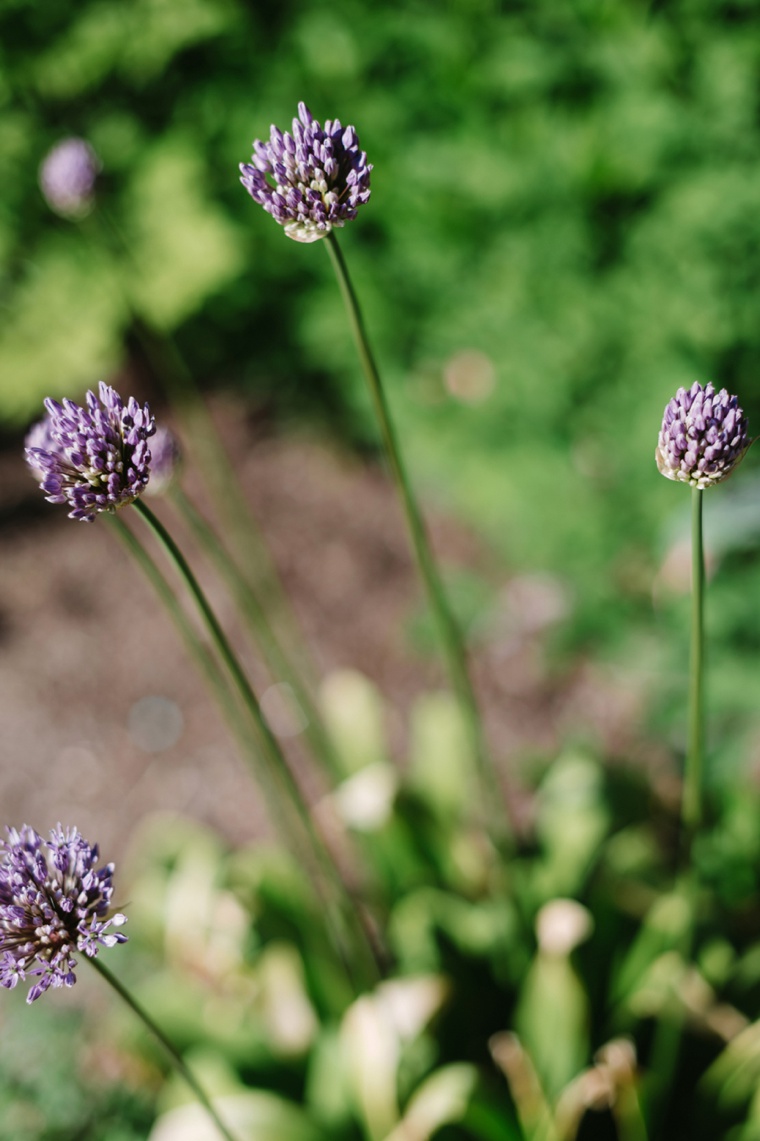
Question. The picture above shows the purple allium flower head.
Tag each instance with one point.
(97, 458)
(67, 177)
(703, 436)
(318, 177)
(53, 902)
(165, 458)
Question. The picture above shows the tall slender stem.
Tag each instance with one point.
(254, 614)
(339, 910)
(198, 649)
(448, 629)
(176, 1058)
(668, 1036)
(691, 810)
(208, 665)
(270, 747)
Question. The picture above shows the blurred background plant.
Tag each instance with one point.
(526, 1006)
(563, 229)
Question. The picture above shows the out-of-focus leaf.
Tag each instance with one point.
(734, 1076)
(572, 820)
(552, 1021)
(664, 930)
(353, 711)
(488, 929)
(175, 866)
(61, 332)
(328, 1094)
(184, 248)
(670, 989)
(441, 768)
(441, 1099)
(533, 1108)
(286, 1014)
(373, 1031)
(253, 1115)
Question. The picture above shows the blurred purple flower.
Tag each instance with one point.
(318, 177)
(67, 177)
(95, 458)
(703, 436)
(165, 458)
(52, 903)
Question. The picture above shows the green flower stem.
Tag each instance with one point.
(667, 1041)
(691, 809)
(449, 633)
(198, 650)
(209, 667)
(270, 747)
(176, 1058)
(254, 614)
(281, 790)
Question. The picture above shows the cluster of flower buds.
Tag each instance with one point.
(703, 436)
(93, 458)
(53, 902)
(309, 181)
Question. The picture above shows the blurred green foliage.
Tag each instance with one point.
(567, 993)
(563, 229)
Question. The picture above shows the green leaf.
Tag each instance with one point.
(353, 712)
(441, 1099)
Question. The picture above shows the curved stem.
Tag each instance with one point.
(208, 665)
(174, 1055)
(198, 650)
(448, 629)
(255, 617)
(338, 909)
(270, 747)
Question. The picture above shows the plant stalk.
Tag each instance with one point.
(175, 1057)
(340, 912)
(253, 611)
(449, 633)
(691, 808)
(668, 1036)
(197, 648)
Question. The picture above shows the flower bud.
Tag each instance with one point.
(703, 436)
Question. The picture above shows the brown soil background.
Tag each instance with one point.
(83, 639)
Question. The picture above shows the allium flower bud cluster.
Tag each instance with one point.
(53, 902)
(94, 458)
(67, 177)
(703, 436)
(319, 176)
